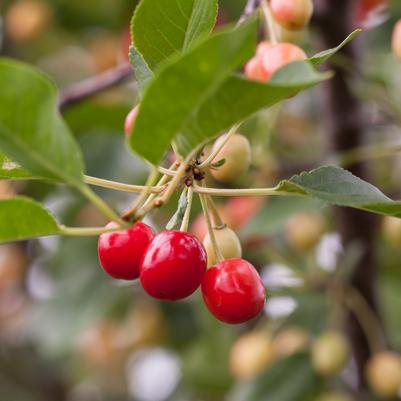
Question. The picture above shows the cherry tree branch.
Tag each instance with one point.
(96, 84)
(345, 123)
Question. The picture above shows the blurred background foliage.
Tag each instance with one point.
(67, 332)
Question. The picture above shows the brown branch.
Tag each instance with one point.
(344, 120)
(91, 86)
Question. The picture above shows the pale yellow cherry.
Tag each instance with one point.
(330, 353)
(383, 373)
(237, 155)
(228, 243)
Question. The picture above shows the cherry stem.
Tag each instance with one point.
(85, 231)
(166, 171)
(209, 160)
(139, 201)
(149, 203)
(187, 214)
(243, 192)
(218, 223)
(101, 205)
(368, 320)
(270, 24)
(119, 186)
(216, 248)
(175, 150)
(176, 181)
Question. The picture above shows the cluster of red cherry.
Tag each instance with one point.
(172, 265)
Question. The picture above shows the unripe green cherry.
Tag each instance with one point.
(383, 373)
(329, 353)
(396, 44)
(228, 243)
(293, 15)
(237, 155)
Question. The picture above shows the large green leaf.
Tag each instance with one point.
(32, 132)
(339, 187)
(183, 85)
(10, 170)
(238, 98)
(23, 218)
(161, 28)
(290, 379)
(143, 74)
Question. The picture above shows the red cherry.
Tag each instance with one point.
(120, 252)
(233, 291)
(173, 265)
(130, 120)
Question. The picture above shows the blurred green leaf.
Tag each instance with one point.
(276, 212)
(323, 56)
(339, 187)
(182, 86)
(23, 218)
(162, 28)
(11, 170)
(32, 132)
(289, 379)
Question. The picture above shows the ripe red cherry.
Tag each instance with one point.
(173, 265)
(130, 120)
(233, 291)
(120, 252)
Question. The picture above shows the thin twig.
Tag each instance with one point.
(250, 8)
(94, 85)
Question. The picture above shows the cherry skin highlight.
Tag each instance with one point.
(173, 265)
(120, 252)
(233, 291)
(130, 120)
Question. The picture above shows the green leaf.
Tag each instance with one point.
(237, 98)
(10, 170)
(339, 187)
(176, 219)
(143, 74)
(289, 379)
(183, 85)
(161, 28)
(32, 132)
(326, 54)
(22, 218)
